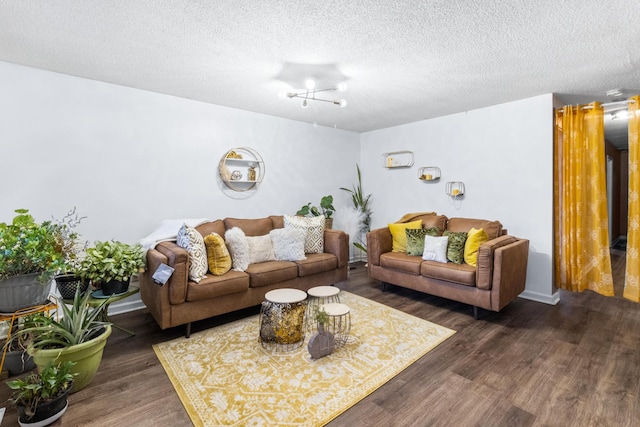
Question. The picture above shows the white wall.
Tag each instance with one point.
(504, 156)
(128, 158)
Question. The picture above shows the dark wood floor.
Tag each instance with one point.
(573, 364)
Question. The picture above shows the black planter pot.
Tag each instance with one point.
(115, 287)
(18, 362)
(68, 283)
(49, 411)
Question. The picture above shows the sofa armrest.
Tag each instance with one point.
(509, 272)
(485, 262)
(379, 241)
(336, 242)
(178, 258)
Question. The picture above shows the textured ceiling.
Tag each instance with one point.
(405, 60)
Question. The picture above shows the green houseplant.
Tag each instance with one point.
(109, 265)
(42, 396)
(361, 203)
(31, 253)
(326, 209)
(79, 336)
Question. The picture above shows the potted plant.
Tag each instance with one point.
(41, 398)
(322, 343)
(361, 203)
(79, 336)
(17, 360)
(32, 254)
(326, 209)
(68, 280)
(109, 265)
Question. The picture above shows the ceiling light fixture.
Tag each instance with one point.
(310, 94)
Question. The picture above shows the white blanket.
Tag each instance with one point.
(168, 231)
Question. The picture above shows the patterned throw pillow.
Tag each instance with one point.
(399, 236)
(288, 243)
(314, 229)
(435, 248)
(415, 239)
(260, 249)
(190, 239)
(455, 248)
(238, 247)
(474, 239)
(218, 256)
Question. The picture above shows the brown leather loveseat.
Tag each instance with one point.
(497, 279)
(181, 301)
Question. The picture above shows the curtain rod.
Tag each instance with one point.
(607, 104)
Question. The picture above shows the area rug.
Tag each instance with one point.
(224, 377)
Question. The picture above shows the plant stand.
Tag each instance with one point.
(12, 317)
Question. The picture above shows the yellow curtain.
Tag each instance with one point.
(632, 274)
(581, 246)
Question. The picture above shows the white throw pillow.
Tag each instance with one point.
(435, 248)
(260, 249)
(288, 243)
(314, 229)
(190, 239)
(238, 246)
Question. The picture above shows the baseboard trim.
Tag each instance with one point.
(552, 299)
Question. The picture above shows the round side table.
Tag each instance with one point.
(282, 319)
(339, 323)
(318, 296)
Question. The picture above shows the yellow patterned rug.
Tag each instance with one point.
(225, 378)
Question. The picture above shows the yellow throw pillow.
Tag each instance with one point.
(217, 254)
(474, 239)
(399, 235)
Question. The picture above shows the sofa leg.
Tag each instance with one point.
(188, 330)
(384, 286)
(475, 312)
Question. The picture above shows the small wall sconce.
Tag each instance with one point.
(429, 173)
(454, 188)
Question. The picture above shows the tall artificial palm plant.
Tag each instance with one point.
(361, 203)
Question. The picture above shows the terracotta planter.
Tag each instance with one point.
(18, 292)
(87, 356)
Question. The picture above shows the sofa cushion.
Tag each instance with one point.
(474, 239)
(435, 248)
(218, 256)
(250, 227)
(288, 243)
(314, 229)
(492, 228)
(238, 246)
(464, 274)
(415, 239)
(260, 249)
(207, 228)
(270, 272)
(455, 246)
(402, 262)
(399, 235)
(317, 263)
(215, 286)
(429, 219)
(191, 240)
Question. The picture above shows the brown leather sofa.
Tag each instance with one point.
(497, 279)
(180, 301)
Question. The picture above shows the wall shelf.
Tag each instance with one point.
(241, 169)
(397, 159)
(429, 173)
